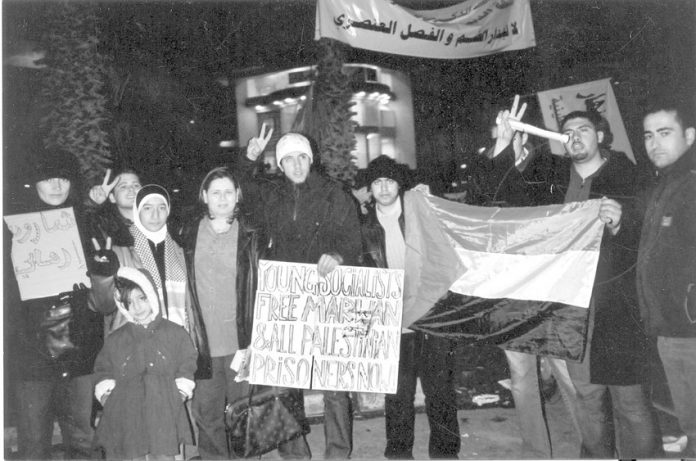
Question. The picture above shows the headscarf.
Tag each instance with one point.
(143, 279)
(145, 195)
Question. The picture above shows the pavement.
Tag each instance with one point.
(486, 433)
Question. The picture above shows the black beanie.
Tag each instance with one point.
(54, 163)
(385, 167)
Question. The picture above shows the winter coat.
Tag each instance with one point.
(308, 220)
(618, 347)
(26, 334)
(145, 413)
(251, 244)
(667, 252)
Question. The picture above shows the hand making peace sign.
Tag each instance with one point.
(257, 144)
(105, 261)
(505, 133)
(99, 193)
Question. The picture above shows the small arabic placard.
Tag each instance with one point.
(597, 96)
(341, 332)
(47, 252)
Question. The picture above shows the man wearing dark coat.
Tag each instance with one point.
(421, 355)
(309, 219)
(614, 364)
(667, 255)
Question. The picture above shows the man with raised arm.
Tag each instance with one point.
(310, 219)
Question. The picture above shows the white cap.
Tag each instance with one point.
(290, 143)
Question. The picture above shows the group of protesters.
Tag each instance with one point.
(154, 337)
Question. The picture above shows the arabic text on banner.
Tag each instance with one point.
(47, 253)
(466, 30)
(341, 332)
(597, 96)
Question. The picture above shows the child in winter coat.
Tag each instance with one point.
(144, 373)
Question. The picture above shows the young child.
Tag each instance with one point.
(144, 374)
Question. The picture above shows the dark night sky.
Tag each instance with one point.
(644, 45)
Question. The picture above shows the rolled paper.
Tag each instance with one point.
(531, 129)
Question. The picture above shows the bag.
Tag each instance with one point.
(55, 326)
(269, 417)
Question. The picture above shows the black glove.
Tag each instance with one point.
(104, 263)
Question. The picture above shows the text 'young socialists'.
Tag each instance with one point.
(344, 329)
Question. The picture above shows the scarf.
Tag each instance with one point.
(175, 275)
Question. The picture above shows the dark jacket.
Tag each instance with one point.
(373, 237)
(667, 252)
(106, 221)
(501, 183)
(145, 413)
(618, 345)
(308, 220)
(28, 344)
(251, 244)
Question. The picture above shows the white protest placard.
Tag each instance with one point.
(466, 30)
(341, 332)
(47, 252)
(590, 96)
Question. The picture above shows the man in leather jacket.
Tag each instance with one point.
(421, 355)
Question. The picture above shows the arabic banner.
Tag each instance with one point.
(341, 332)
(597, 96)
(47, 253)
(466, 30)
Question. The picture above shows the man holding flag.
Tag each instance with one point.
(421, 355)
(614, 360)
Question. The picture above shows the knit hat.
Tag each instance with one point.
(385, 167)
(290, 143)
(54, 163)
(144, 195)
(143, 279)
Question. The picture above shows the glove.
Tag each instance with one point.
(103, 389)
(185, 387)
(104, 263)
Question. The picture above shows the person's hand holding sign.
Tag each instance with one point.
(99, 193)
(258, 144)
(327, 263)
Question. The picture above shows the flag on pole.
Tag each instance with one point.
(519, 277)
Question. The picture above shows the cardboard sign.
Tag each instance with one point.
(341, 332)
(47, 253)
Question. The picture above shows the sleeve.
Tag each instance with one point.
(103, 366)
(188, 356)
(101, 297)
(689, 254)
(346, 228)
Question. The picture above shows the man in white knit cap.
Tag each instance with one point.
(310, 219)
